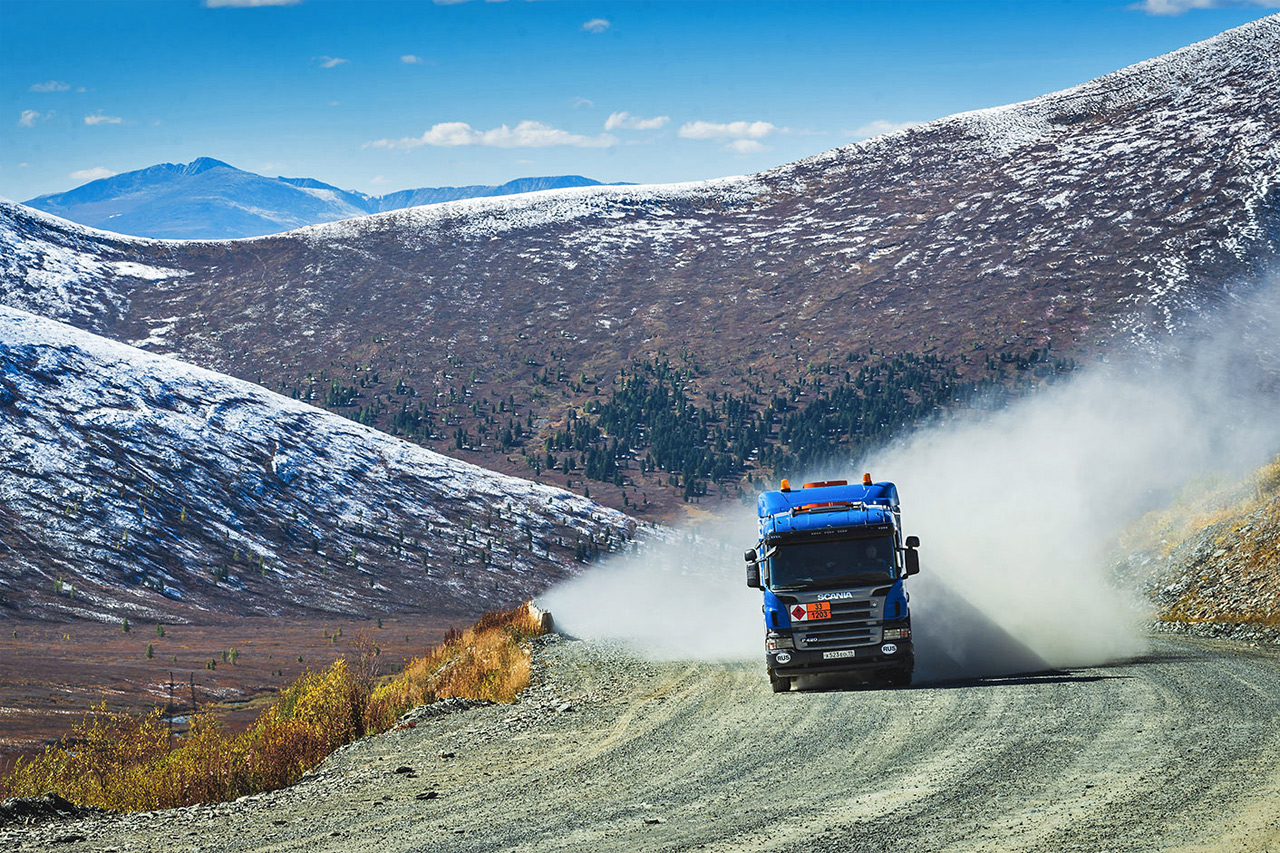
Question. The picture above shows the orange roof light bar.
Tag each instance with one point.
(822, 483)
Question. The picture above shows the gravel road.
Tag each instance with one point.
(1179, 750)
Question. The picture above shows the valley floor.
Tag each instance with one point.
(51, 674)
(1176, 750)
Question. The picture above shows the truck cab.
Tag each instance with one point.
(831, 561)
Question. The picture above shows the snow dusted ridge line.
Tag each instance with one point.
(1005, 128)
(50, 220)
(144, 370)
(66, 275)
(159, 488)
(484, 217)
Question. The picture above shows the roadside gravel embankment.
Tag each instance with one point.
(1210, 564)
(1179, 750)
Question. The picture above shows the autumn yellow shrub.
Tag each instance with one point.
(1266, 480)
(121, 761)
(490, 660)
(124, 762)
(1202, 503)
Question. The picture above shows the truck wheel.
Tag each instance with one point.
(779, 683)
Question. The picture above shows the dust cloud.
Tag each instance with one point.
(1016, 509)
(682, 596)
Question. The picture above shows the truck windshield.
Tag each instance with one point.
(832, 562)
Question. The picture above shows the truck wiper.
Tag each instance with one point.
(798, 583)
(867, 579)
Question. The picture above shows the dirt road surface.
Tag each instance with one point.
(1177, 751)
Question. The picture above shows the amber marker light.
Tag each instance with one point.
(866, 479)
(786, 485)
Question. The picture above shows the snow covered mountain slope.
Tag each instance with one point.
(65, 272)
(1064, 226)
(136, 485)
(207, 199)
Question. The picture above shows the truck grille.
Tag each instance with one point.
(852, 623)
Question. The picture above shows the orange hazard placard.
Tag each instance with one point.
(816, 610)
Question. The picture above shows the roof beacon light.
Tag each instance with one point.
(866, 479)
(786, 485)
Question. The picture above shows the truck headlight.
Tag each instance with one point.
(773, 640)
(897, 633)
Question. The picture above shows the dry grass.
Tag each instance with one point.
(125, 762)
(121, 761)
(490, 660)
(1201, 505)
(1221, 544)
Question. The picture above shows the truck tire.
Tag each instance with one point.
(779, 683)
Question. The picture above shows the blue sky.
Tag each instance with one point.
(385, 95)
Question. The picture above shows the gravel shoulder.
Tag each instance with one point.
(1178, 750)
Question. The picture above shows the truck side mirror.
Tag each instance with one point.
(913, 541)
(911, 560)
(753, 575)
(750, 556)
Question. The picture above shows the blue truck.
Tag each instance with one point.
(831, 560)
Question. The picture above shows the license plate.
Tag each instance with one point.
(843, 653)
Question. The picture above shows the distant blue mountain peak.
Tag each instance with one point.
(204, 164)
(209, 199)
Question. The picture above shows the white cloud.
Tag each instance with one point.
(99, 118)
(578, 103)
(596, 25)
(410, 59)
(94, 174)
(247, 4)
(332, 61)
(1179, 7)
(729, 130)
(880, 127)
(746, 146)
(526, 134)
(627, 121)
(379, 180)
(30, 117)
(51, 86)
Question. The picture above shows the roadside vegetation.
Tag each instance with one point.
(1203, 504)
(129, 762)
(1213, 556)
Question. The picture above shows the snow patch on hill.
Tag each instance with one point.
(140, 480)
(67, 272)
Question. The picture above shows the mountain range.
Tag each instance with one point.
(207, 199)
(660, 344)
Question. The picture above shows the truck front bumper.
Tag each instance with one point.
(793, 662)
